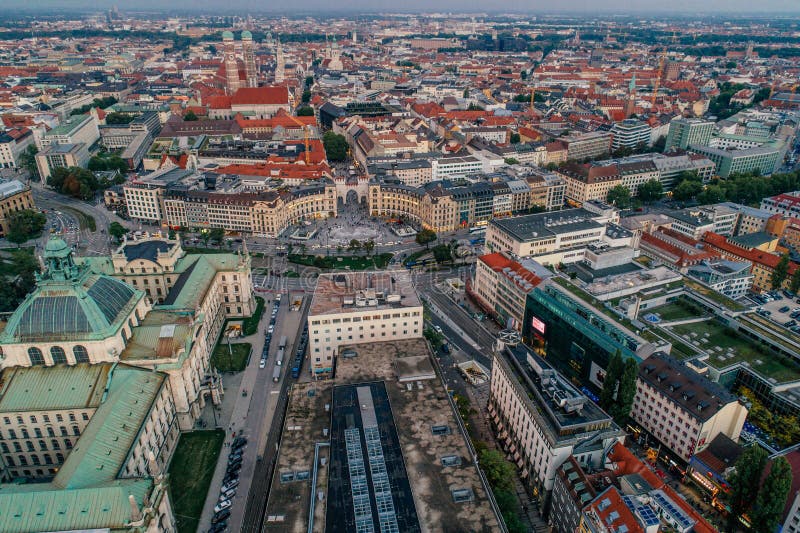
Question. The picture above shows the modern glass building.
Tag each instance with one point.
(575, 336)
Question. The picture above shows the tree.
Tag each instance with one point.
(686, 190)
(713, 194)
(466, 93)
(511, 161)
(27, 161)
(309, 81)
(514, 138)
(369, 246)
(425, 236)
(335, 146)
(190, 116)
(499, 472)
(74, 181)
(212, 49)
(217, 234)
(306, 96)
(24, 225)
(619, 196)
(305, 111)
(117, 230)
(354, 246)
(205, 236)
(621, 409)
(780, 272)
(613, 374)
(794, 285)
(442, 253)
(772, 497)
(474, 107)
(650, 191)
(118, 118)
(744, 483)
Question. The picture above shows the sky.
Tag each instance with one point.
(682, 7)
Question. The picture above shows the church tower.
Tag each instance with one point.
(630, 100)
(280, 63)
(249, 59)
(231, 68)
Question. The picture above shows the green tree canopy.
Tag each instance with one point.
(442, 253)
(621, 409)
(368, 246)
(217, 235)
(780, 272)
(305, 111)
(74, 181)
(795, 283)
(620, 196)
(744, 483)
(25, 224)
(306, 96)
(772, 496)
(27, 160)
(117, 230)
(686, 190)
(118, 118)
(514, 138)
(425, 237)
(335, 146)
(613, 374)
(650, 191)
(190, 116)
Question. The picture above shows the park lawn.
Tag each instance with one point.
(223, 361)
(342, 262)
(190, 475)
(676, 310)
(250, 324)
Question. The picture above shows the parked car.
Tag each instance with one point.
(228, 494)
(784, 309)
(262, 364)
(234, 468)
(221, 516)
(219, 527)
(230, 485)
(221, 506)
(445, 349)
(238, 442)
(271, 328)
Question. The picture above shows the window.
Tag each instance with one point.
(80, 353)
(58, 355)
(35, 356)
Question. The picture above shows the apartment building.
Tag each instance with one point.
(685, 132)
(357, 308)
(589, 182)
(541, 419)
(786, 204)
(103, 435)
(411, 172)
(550, 238)
(762, 263)
(501, 286)
(694, 222)
(683, 409)
(14, 196)
(445, 166)
(13, 142)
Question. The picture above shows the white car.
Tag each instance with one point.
(232, 484)
(227, 494)
(262, 364)
(221, 506)
(270, 329)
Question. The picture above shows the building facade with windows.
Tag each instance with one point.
(357, 308)
(14, 196)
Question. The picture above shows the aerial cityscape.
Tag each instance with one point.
(427, 267)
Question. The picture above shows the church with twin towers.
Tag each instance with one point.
(233, 78)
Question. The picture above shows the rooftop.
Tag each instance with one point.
(363, 291)
(40, 388)
(537, 226)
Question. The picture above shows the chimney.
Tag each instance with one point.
(136, 514)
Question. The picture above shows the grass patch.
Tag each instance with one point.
(342, 262)
(84, 221)
(250, 324)
(760, 359)
(713, 295)
(291, 274)
(223, 361)
(190, 474)
(679, 309)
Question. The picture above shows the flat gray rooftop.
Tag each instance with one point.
(538, 226)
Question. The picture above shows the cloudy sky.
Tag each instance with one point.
(682, 7)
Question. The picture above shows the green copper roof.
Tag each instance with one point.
(40, 388)
(70, 302)
(101, 451)
(247, 35)
(43, 507)
(227, 35)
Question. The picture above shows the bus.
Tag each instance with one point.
(282, 344)
(276, 374)
(477, 229)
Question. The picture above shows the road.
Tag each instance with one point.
(254, 416)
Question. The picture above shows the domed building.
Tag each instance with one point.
(73, 316)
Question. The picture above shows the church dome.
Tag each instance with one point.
(247, 35)
(227, 35)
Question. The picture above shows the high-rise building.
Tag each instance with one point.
(280, 63)
(231, 68)
(249, 59)
(688, 131)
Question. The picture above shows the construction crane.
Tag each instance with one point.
(305, 129)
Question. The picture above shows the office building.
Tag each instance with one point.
(61, 156)
(13, 142)
(765, 159)
(584, 146)
(360, 307)
(630, 133)
(684, 410)
(786, 204)
(74, 130)
(731, 278)
(14, 196)
(541, 419)
(501, 285)
(685, 132)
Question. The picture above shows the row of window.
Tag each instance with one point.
(11, 434)
(54, 445)
(58, 355)
(23, 461)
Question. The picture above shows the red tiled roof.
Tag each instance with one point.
(766, 259)
(498, 262)
(260, 96)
